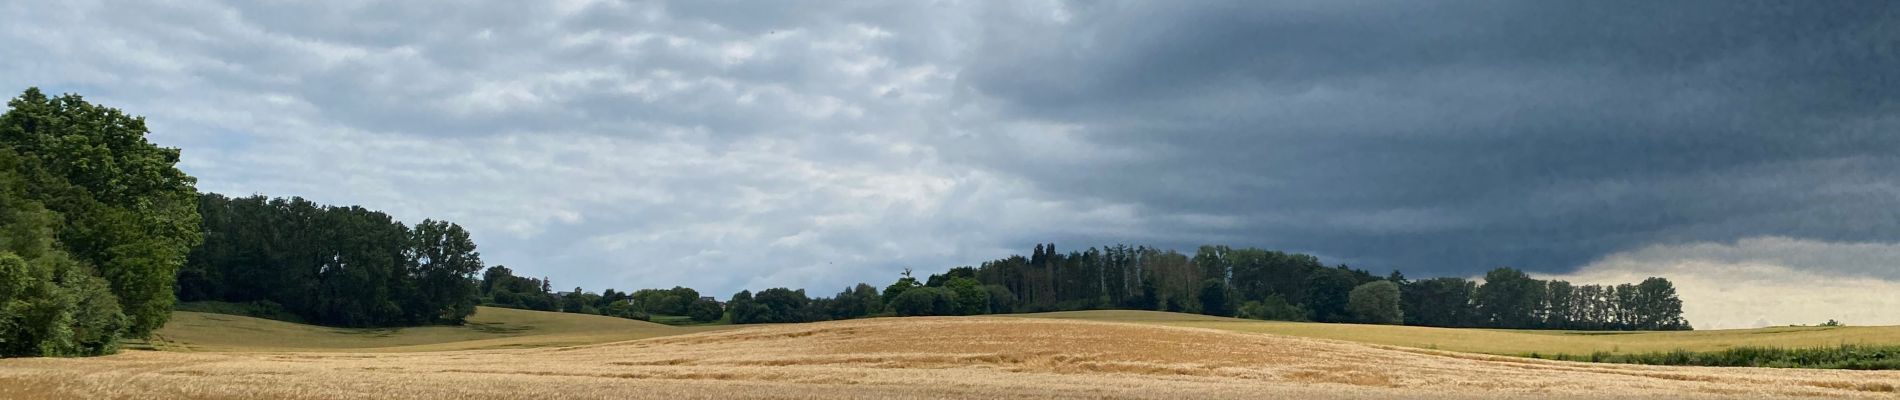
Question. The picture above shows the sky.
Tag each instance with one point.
(1746, 150)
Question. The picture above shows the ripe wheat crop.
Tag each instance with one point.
(912, 358)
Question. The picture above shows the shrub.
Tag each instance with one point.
(1841, 357)
(923, 301)
(705, 311)
(1274, 308)
(53, 307)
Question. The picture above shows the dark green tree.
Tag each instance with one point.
(50, 305)
(126, 210)
(742, 309)
(344, 266)
(1510, 299)
(781, 305)
(848, 304)
(906, 282)
(1000, 299)
(969, 298)
(924, 301)
(1442, 302)
(1376, 303)
(1327, 292)
(1273, 308)
(1657, 307)
(704, 310)
(443, 264)
(1216, 298)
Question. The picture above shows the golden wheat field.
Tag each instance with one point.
(949, 357)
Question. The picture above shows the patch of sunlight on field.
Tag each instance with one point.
(489, 328)
(1512, 342)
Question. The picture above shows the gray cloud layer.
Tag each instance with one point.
(1473, 134)
(729, 144)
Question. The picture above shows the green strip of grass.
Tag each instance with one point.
(1846, 356)
(264, 309)
(681, 320)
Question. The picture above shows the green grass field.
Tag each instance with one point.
(489, 328)
(681, 320)
(1516, 342)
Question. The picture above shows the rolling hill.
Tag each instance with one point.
(489, 328)
(492, 328)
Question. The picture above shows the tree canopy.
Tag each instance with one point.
(1376, 303)
(1251, 283)
(97, 221)
(340, 266)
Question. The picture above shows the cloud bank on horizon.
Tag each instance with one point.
(723, 145)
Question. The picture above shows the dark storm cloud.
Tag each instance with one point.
(1450, 137)
(727, 145)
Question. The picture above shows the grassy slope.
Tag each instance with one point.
(488, 328)
(493, 328)
(1514, 342)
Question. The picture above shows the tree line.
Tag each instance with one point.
(94, 222)
(338, 266)
(501, 288)
(1239, 282)
(290, 258)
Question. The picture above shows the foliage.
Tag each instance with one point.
(906, 282)
(775, 305)
(969, 298)
(704, 310)
(1509, 298)
(1376, 303)
(1442, 302)
(623, 309)
(858, 301)
(338, 266)
(1264, 284)
(1000, 299)
(944, 279)
(1274, 308)
(1846, 356)
(675, 301)
(103, 217)
(924, 301)
(782, 305)
(1216, 298)
(56, 308)
(501, 288)
(97, 319)
(442, 262)
(1327, 293)
(742, 309)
